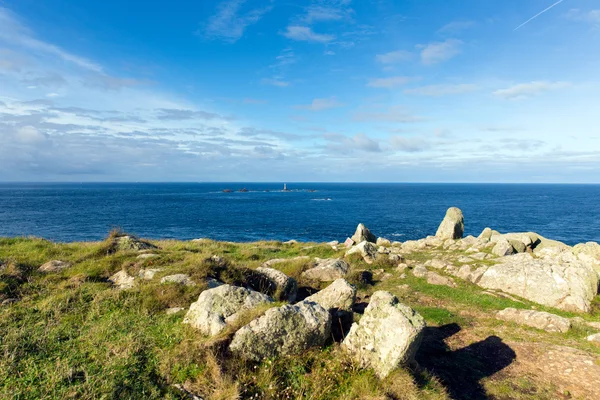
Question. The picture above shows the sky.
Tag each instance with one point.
(310, 91)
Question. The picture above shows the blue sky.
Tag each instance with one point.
(323, 90)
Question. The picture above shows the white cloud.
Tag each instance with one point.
(442, 90)
(388, 83)
(394, 57)
(456, 26)
(274, 82)
(592, 16)
(391, 114)
(305, 33)
(30, 135)
(437, 52)
(529, 89)
(321, 104)
(409, 144)
(229, 23)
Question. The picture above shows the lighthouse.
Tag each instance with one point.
(285, 189)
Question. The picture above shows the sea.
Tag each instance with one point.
(70, 212)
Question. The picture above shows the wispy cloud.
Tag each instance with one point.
(230, 21)
(442, 90)
(12, 31)
(538, 14)
(327, 11)
(455, 27)
(391, 114)
(409, 144)
(437, 52)
(391, 82)
(274, 82)
(529, 89)
(394, 57)
(592, 16)
(305, 33)
(321, 104)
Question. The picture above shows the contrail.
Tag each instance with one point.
(537, 15)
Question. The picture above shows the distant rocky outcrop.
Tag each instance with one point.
(387, 336)
(363, 234)
(129, 243)
(452, 226)
(285, 330)
(220, 306)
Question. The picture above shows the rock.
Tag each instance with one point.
(401, 268)
(292, 241)
(464, 259)
(518, 246)
(146, 256)
(54, 266)
(486, 234)
(464, 272)
(148, 274)
(212, 283)
(122, 280)
(536, 319)
(436, 263)
(420, 271)
(396, 258)
(589, 253)
(503, 248)
(348, 243)
(560, 281)
(452, 226)
(173, 310)
(340, 295)
(286, 330)
(433, 278)
(327, 270)
(383, 242)
(215, 308)
(594, 338)
(274, 283)
(129, 243)
(387, 336)
(363, 234)
(274, 261)
(433, 241)
(366, 249)
(181, 279)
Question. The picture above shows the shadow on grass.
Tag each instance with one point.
(462, 370)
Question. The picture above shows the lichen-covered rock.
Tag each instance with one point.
(433, 278)
(452, 226)
(129, 243)
(285, 330)
(387, 336)
(420, 271)
(594, 338)
(340, 295)
(557, 280)
(536, 319)
(215, 308)
(503, 248)
(148, 274)
(363, 234)
(274, 283)
(122, 280)
(486, 234)
(383, 242)
(181, 279)
(54, 266)
(327, 270)
(366, 249)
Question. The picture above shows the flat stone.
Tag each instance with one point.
(536, 319)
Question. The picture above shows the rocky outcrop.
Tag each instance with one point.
(366, 249)
(122, 280)
(452, 226)
(340, 295)
(148, 274)
(363, 234)
(383, 242)
(181, 279)
(589, 253)
(327, 270)
(274, 283)
(387, 336)
(54, 266)
(503, 248)
(215, 308)
(286, 330)
(536, 319)
(130, 243)
(555, 280)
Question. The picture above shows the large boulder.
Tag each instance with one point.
(558, 280)
(387, 336)
(589, 253)
(285, 330)
(366, 249)
(503, 248)
(273, 283)
(452, 226)
(340, 295)
(536, 319)
(54, 266)
(327, 270)
(129, 243)
(363, 234)
(220, 306)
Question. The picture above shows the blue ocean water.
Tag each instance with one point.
(308, 212)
